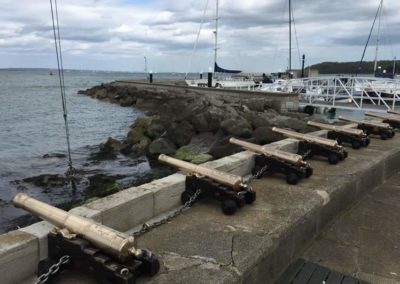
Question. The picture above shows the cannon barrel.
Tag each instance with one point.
(351, 131)
(365, 122)
(393, 112)
(384, 116)
(110, 241)
(269, 151)
(306, 137)
(221, 177)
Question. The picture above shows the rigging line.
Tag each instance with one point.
(369, 37)
(57, 44)
(197, 39)
(385, 29)
(280, 35)
(297, 41)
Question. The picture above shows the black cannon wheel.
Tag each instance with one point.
(229, 206)
(292, 178)
(250, 196)
(356, 144)
(333, 159)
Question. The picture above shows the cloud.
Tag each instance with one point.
(253, 34)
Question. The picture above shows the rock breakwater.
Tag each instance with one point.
(192, 126)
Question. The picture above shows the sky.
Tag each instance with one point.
(253, 34)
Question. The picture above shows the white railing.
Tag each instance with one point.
(342, 92)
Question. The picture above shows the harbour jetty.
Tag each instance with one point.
(202, 245)
(195, 124)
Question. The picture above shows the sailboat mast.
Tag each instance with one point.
(377, 37)
(290, 35)
(216, 35)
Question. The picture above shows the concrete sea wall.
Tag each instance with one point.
(281, 102)
(205, 246)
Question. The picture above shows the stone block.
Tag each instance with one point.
(87, 213)
(40, 230)
(125, 209)
(167, 192)
(19, 256)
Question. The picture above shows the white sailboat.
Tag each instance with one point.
(229, 82)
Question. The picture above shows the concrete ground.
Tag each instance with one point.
(365, 240)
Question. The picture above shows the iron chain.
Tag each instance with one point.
(258, 174)
(53, 270)
(148, 227)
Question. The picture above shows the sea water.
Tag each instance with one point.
(32, 125)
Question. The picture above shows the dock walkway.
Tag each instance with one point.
(364, 241)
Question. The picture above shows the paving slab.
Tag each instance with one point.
(365, 240)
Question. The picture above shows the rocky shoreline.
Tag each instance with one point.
(191, 127)
(183, 124)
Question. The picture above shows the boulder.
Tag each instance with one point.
(162, 146)
(101, 185)
(237, 127)
(127, 101)
(255, 104)
(185, 154)
(140, 148)
(157, 127)
(142, 122)
(135, 135)
(264, 135)
(54, 155)
(297, 125)
(107, 150)
(205, 122)
(203, 142)
(180, 133)
(222, 148)
(47, 180)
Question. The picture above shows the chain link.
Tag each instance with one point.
(53, 269)
(258, 174)
(148, 227)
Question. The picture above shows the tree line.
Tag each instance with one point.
(366, 67)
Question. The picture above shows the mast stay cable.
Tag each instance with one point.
(369, 36)
(57, 43)
(197, 39)
(297, 40)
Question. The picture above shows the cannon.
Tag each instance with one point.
(393, 112)
(310, 145)
(392, 119)
(384, 130)
(270, 160)
(355, 137)
(91, 247)
(227, 188)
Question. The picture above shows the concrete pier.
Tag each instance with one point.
(205, 246)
